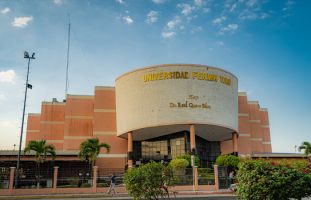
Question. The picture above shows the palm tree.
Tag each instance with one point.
(90, 149)
(41, 150)
(306, 146)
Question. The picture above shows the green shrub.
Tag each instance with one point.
(146, 181)
(228, 160)
(188, 158)
(259, 179)
(179, 164)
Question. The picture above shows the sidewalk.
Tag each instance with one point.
(180, 194)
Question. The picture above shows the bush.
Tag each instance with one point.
(228, 160)
(179, 164)
(259, 179)
(188, 158)
(146, 181)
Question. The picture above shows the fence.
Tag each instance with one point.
(224, 182)
(104, 176)
(182, 177)
(87, 180)
(206, 176)
(4, 177)
(74, 178)
(39, 178)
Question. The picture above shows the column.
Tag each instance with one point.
(55, 177)
(216, 177)
(12, 173)
(196, 177)
(95, 171)
(192, 144)
(130, 149)
(235, 143)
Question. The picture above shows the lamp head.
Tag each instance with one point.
(33, 56)
(26, 55)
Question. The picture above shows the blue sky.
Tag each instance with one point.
(266, 44)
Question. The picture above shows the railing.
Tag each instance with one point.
(4, 177)
(104, 176)
(223, 177)
(182, 177)
(75, 178)
(206, 176)
(39, 178)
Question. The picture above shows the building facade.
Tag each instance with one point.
(158, 113)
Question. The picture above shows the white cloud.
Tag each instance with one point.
(128, 20)
(152, 17)
(173, 23)
(120, 1)
(7, 76)
(233, 7)
(288, 5)
(186, 9)
(2, 97)
(206, 10)
(58, 2)
(196, 29)
(21, 22)
(5, 10)
(248, 14)
(264, 15)
(169, 34)
(220, 43)
(199, 2)
(251, 3)
(158, 1)
(230, 28)
(219, 20)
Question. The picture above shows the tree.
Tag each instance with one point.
(148, 181)
(306, 146)
(41, 150)
(90, 149)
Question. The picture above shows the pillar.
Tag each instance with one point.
(130, 149)
(216, 177)
(55, 177)
(192, 144)
(196, 178)
(12, 173)
(95, 171)
(235, 143)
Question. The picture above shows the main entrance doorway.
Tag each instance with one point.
(168, 147)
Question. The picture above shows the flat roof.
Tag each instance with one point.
(58, 153)
(277, 155)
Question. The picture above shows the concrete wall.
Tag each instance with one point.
(152, 97)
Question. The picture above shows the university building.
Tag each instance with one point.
(157, 113)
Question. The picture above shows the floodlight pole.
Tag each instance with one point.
(26, 55)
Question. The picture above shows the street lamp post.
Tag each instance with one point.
(26, 55)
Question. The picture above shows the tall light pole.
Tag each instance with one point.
(26, 55)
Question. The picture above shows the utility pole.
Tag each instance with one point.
(26, 55)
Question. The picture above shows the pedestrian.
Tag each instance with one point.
(112, 185)
(231, 177)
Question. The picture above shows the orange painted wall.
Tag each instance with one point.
(67, 124)
(33, 128)
(254, 131)
(52, 123)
